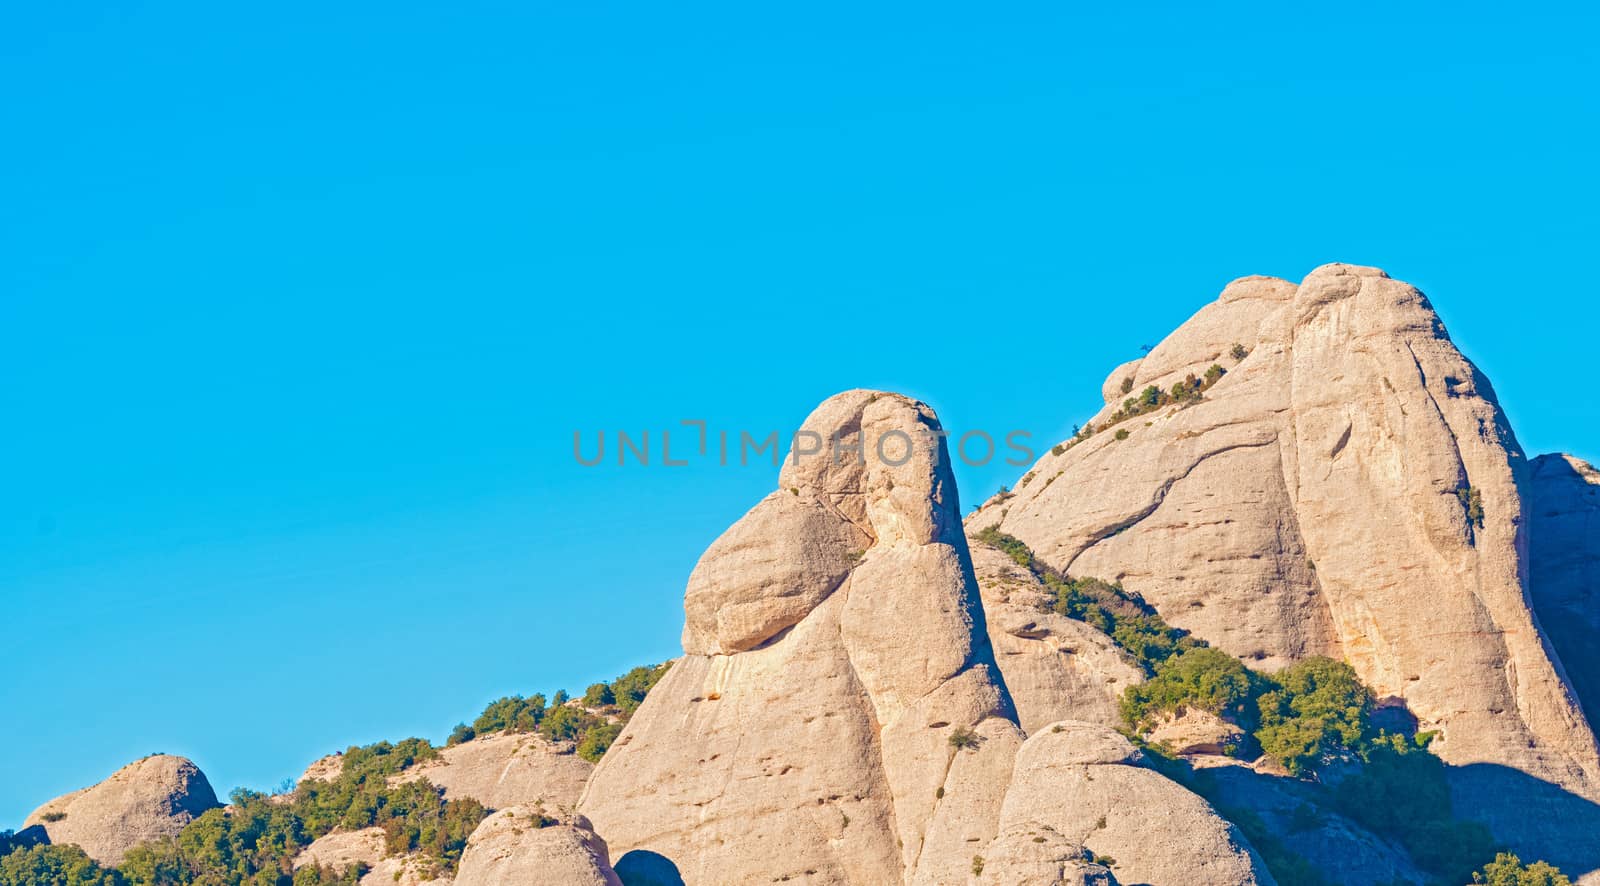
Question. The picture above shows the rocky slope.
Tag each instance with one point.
(145, 800)
(1351, 488)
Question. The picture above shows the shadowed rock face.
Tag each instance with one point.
(1316, 501)
(1564, 547)
(145, 800)
(838, 716)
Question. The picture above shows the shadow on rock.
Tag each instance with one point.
(641, 867)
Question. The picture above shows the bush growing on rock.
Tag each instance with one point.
(1508, 870)
(1315, 710)
(1204, 678)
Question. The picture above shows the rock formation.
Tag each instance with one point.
(834, 644)
(1349, 487)
(1056, 668)
(838, 716)
(1036, 855)
(524, 845)
(144, 800)
(1080, 780)
(341, 849)
(505, 769)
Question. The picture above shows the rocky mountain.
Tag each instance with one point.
(1294, 608)
(1349, 487)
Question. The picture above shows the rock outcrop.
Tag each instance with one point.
(835, 643)
(839, 717)
(1081, 781)
(337, 851)
(145, 800)
(1056, 668)
(1351, 488)
(524, 845)
(1193, 732)
(1564, 550)
(1037, 855)
(506, 769)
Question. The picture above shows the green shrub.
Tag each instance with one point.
(629, 689)
(461, 734)
(1203, 678)
(1508, 870)
(963, 739)
(1215, 372)
(45, 865)
(597, 740)
(1315, 710)
(1127, 383)
(598, 695)
(1472, 502)
(512, 714)
(1122, 433)
(1009, 545)
(1238, 352)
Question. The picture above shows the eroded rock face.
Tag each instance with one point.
(524, 845)
(505, 769)
(144, 800)
(1055, 668)
(836, 642)
(1081, 781)
(1564, 554)
(337, 851)
(1037, 855)
(1317, 501)
(1195, 731)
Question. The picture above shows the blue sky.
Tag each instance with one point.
(301, 305)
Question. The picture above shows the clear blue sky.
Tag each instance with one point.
(300, 304)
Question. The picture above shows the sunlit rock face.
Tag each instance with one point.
(1350, 487)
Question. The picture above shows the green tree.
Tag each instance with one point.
(45, 865)
(1508, 870)
(1317, 709)
(1203, 678)
(599, 695)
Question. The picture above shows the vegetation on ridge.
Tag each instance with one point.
(254, 841)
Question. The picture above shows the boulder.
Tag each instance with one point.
(147, 799)
(1083, 781)
(1036, 855)
(1193, 731)
(526, 846)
